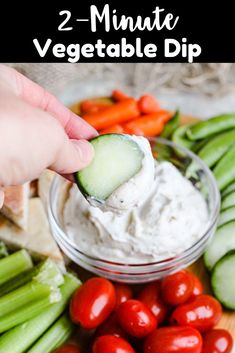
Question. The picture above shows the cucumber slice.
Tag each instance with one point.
(223, 280)
(227, 215)
(222, 242)
(228, 189)
(117, 159)
(228, 201)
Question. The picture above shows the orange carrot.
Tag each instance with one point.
(114, 129)
(118, 95)
(148, 104)
(93, 106)
(148, 125)
(117, 113)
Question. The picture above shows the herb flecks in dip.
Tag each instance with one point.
(170, 218)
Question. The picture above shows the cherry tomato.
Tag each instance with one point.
(177, 288)
(111, 327)
(123, 293)
(68, 348)
(201, 312)
(217, 341)
(197, 285)
(93, 302)
(136, 318)
(174, 340)
(150, 295)
(111, 344)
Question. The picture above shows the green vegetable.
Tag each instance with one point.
(3, 250)
(117, 159)
(58, 334)
(223, 280)
(228, 189)
(25, 313)
(44, 284)
(163, 152)
(20, 280)
(210, 127)
(228, 201)
(14, 264)
(21, 338)
(227, 215)
(179, 137)
(224, 170)
(222, 242)
(171, 126)
(216, 147)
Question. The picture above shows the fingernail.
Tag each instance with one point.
(85, 149)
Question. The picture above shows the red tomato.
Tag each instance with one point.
(201, 312)
(123, 293)
(217, 341)
(150, 295)
(136, 318)
(174, 340)
(197, 285)
(177, 288)
(111, 327)
(111, 344)
(68, 348)
(92, 303)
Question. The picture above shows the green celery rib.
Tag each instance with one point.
(20, 338)
(14, 264)
(58, 334)
(18, 281)
(23, 314)
(30, 292)
(3, 250)
(43, 285)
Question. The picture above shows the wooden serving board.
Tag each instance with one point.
(228, 318)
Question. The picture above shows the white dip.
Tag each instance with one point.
(171, 217)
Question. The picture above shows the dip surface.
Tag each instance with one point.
(171, 217)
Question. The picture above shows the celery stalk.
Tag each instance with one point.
(43, 285)
(14, 264)
(33, 273)
(58, 334)
(20, 338)
(18, 281)
(3, 250)
(23, 314)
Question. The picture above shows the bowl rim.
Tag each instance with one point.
(165, 262)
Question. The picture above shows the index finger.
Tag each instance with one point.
(29, 91)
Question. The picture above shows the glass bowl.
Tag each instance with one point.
(202, 179)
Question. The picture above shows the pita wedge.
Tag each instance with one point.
(15, 206)
(36, 238)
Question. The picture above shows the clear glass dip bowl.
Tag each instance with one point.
(202, 179)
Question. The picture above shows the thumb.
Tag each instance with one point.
(73, 156)
(1, 197)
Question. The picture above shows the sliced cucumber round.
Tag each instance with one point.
(227, 215)
(223, 280)
(228, 201)
(222, 242)
(117, 159)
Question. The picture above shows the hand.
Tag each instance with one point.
(37, 132)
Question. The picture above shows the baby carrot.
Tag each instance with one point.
(148, 125)
(117, 113)
(118, 95)
(93, 105)
(148, 104)
(114, 129)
